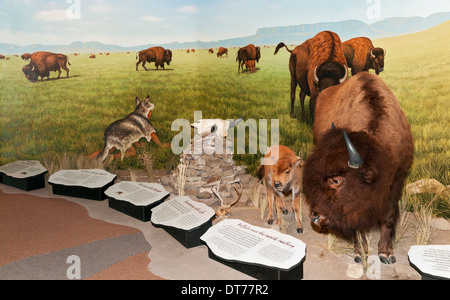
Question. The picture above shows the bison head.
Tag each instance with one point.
(168, 56)
(329, 74)
(284, 172)
(377, 59)
(343, 185)
(31, 72)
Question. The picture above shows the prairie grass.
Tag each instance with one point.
(68, 116)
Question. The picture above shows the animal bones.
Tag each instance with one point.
(223, 209)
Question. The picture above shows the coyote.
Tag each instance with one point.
(121, 134)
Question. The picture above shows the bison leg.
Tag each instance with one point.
(59, 73)
(389, 223)
(293, 89)
(281, 209)
(360, 244)
(137, 64)
(302, 104)
(297, 205)
(270, 200)
(312, 107)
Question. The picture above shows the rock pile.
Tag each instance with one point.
(204, 163)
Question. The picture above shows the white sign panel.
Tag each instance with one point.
(182, 212)
(94, 178)
(236, 240)
(23, 169)
(431, 259)
(137, 193)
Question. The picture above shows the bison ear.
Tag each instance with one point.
(298, 162)
(137, 100)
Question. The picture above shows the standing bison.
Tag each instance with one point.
(42, 63)
(222, 51)
(315, 65)
(354, 178)
(158, 55)
(249, 52)
(361, 55)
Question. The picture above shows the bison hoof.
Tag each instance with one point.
(293, 116)
(270, 221)
(300, 230)
(358, 259)
(387, 260)
(285, 211)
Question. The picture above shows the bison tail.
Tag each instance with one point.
(281, 45)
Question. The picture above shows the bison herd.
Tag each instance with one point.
(364, 148)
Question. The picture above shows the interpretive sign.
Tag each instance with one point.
(24, 174)
(262, 253)
(184, 219)
(88, 184)
(136, 199)
(431, 261)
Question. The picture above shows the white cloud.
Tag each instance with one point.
(101, 8)
(152, 19)
(54, 15)
(190, 9)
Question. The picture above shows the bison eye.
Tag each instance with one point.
(335, 182)
(288, 171)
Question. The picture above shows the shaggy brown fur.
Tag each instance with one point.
(315, 65)
(42, 63)
(158, 55)
(361, 55)
(348, 200)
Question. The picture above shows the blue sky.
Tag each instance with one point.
(133, 22)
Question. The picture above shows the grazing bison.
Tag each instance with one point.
(283, 176)
(354, 178)
(222, 51)
(361, 55)
(158, 55)
(315, 65)
(26, 56)
(2, 56)
(92, 56)
(42, 63)
(211, 51)
(251, 66)
(249, 52)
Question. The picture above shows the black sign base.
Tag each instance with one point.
(26, 184)
(97, 194)
(188, 238)
(142, 213)
(262, 272)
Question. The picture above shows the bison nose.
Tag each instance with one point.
(381, 69)
(277, 184)
(315, 219)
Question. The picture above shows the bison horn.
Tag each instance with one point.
(316, 78)
(355, 161)
(343, 79)
(384, 52)
(371, 54)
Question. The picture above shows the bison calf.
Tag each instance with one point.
(283, 176)
(354, 178)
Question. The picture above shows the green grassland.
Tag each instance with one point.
(68, 116)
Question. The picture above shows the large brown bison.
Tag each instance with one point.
(158, 55)
(364, 148)
(315, 65)
(361, 55)
(222, 51)
(249, 52)
(42, 63)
